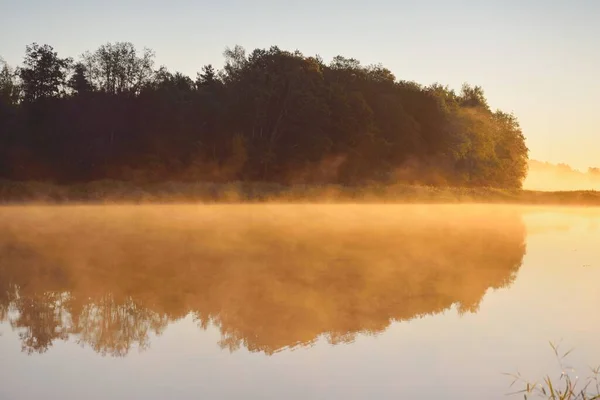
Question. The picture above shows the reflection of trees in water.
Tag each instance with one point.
(112, 328)
(106, 326)
(5, 300)
(267, 282)
(40, 316)
(41, 320)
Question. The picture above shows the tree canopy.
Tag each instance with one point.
(269, 115)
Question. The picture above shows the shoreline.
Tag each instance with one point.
(170, 192)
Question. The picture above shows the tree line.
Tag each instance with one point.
(269, 115)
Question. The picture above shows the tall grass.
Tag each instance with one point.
(567, 386)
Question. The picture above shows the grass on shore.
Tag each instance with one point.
(565, 387)
(107, 191)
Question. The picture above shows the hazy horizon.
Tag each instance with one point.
(552, 177)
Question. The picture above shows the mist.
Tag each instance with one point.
(554, 177)
(267, 276)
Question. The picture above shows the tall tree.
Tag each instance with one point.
(79, 82)
(9, 87)
(117, 68)
(207, 77)
(44, 73)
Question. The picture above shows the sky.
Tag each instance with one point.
(537, 59)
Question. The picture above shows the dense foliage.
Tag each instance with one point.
(271, 115)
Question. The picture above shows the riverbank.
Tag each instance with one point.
(177, 192)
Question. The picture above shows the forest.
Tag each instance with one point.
(268, 115)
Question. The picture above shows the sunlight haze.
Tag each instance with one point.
(299, 200)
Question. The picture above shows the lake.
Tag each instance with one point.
(293, 301)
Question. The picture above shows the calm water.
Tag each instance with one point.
(292, 302)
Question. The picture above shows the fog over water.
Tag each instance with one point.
(294, 301)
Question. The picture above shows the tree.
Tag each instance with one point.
(9, 87)
(79, 82)
(44, 74)
(269, 115)
(117, 68)
(473, 96)
(510, 150)
(207, 77)
(235, 60)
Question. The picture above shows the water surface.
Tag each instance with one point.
(292, 301)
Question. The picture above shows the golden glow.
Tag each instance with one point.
(551, 177)
(269, 276)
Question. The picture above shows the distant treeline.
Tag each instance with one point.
(547, 176)
(270, 116)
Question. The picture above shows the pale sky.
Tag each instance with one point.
(537, 58)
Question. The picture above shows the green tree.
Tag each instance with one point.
(473, 96)
(511, 151)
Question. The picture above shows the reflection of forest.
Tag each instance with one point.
(268, 277)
